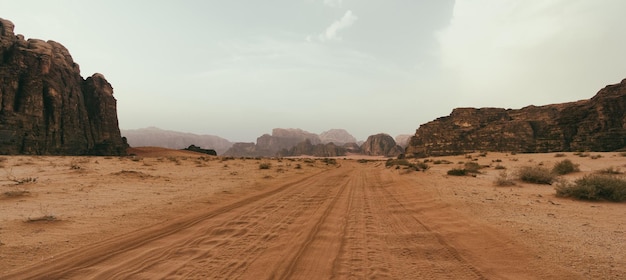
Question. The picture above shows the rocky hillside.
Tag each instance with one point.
(46, 107)
(155, 137)
(318, 150)
(597, 124)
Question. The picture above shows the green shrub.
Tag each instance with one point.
(565, 166)
(265, 165)
(595, 187)
(536, 175)
(457, 172)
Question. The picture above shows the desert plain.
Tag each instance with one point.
(166, 214)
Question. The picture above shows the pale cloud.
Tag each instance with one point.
(333, 3)
(332, 31)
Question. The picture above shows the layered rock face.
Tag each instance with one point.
(381, 145)
(46, 107)
(597, 124)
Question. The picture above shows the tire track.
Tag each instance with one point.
(68, 264)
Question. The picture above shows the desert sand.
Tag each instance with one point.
(166, 214)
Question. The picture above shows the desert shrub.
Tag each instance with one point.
(329, 161)
(504, 180)
(483, 154)
(496, 160)
(499, 166)
(622, 154)
(595, 187)
(472, 167)
(610, 170)
(581, 154)
(536, 175)
(265, 165)
(421, 166)
(442, 161)
(457, 172)
(565, 166)
(298, 166)
(392, 162)
(559, 155)
(596, 156)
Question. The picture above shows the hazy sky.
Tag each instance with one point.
(238, 68)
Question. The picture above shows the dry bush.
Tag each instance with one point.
(503, 180)
(457, 172)
(610, 171)
(265, 165)
(559, 155)
(595, 187)
(472, 167)
(500, 167)
(565, 166)
(536, 175)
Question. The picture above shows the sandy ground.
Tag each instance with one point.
(177, 215)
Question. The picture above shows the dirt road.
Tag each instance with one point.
(355, 221)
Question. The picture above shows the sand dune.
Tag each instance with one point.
(164, 215)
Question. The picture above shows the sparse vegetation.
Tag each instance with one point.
(565, 166)
(472, 167)
(610, 170)
(595, 187)
(536, 175)
(442, 161)
(329, 161)
(457, 172)
(265, 165)
(408, 165)
(499, 166)
(504, 180)
(596, 156)
(559, 155)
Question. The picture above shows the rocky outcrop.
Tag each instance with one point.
(270, 145)
(156, 137)
(597, 124)
(318, 150)
(337, 136)
(381, 145)
(197, 149)
(46, 107)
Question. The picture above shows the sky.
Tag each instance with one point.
(239, 68)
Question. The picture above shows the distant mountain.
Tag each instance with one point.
(403, 140)
(337, 137)
(157, 137)
(269, 145)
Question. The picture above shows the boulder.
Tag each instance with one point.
(46, 107)
(381, 145)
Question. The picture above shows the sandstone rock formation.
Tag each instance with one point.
(197, 149)
(597, 124)
(156, 137)
(318, 150)
(381, 145)
(337, 136)
(46, 107)
(269, 145)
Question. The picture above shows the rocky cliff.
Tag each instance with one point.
(597, 124)
(46, 107)
(381, 145)
(157, 137)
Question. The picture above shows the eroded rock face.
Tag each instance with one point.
(381, 145)
(45, 105)
(597, 124)
(270, 145)
(316, 150)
